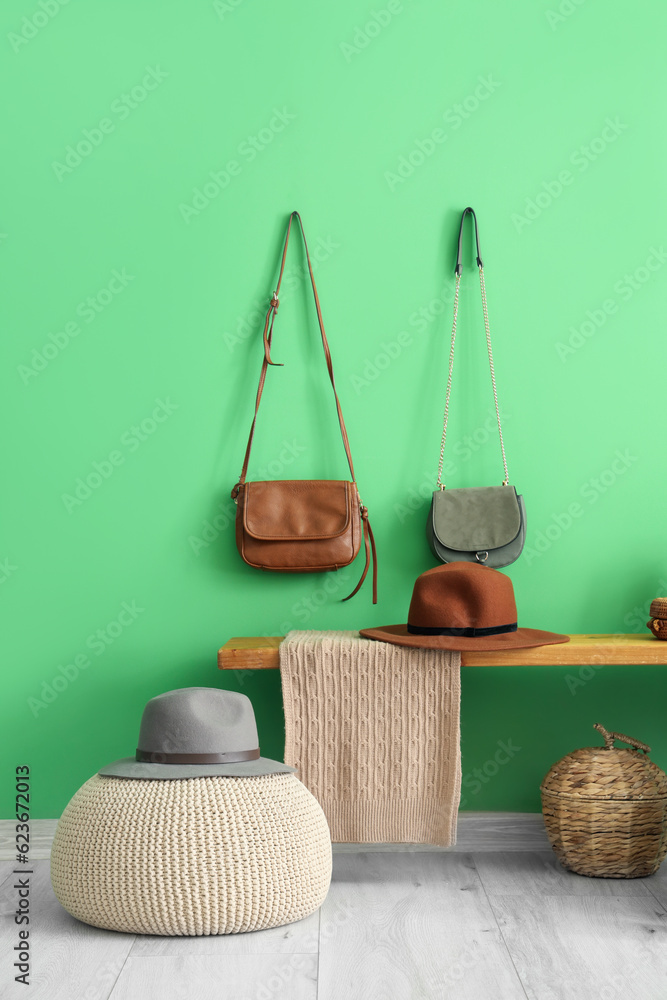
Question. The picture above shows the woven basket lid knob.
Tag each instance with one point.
(611, 737)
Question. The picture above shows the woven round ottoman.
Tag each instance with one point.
(203, 855)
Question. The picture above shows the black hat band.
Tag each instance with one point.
(470, 633)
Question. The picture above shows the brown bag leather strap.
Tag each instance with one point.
(268, 337)
(369, 540)
(369, 545)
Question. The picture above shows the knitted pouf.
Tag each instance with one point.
(213, 855)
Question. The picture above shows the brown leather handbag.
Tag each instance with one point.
(301, 525)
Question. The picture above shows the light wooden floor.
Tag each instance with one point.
(396, 925)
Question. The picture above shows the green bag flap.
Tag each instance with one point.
(476, 519)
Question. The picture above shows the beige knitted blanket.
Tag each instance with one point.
(374, 732)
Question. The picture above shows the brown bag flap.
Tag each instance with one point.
(297, 508)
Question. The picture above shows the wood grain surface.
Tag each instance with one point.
(261, 653)
(582, 947)
(228, 977)
(396, 925)
(69, 959)
(411, 925)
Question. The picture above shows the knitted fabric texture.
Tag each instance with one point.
(374, 730)
(194, 856)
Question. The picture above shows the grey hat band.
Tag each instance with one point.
(231, 757)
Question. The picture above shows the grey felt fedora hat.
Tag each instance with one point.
(194, 733)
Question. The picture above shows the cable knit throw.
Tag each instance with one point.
(374, 731)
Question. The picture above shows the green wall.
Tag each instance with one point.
(154, 153)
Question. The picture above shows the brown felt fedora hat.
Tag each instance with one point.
(463, 606)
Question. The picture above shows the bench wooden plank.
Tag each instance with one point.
(261, 653)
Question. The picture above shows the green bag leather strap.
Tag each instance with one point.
(457, 269)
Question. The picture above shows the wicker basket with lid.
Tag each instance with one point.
(605, 809)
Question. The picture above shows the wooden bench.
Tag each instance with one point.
(261, 653)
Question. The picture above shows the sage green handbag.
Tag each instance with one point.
(485, 524)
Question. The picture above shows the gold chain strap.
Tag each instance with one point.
(440, 484)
